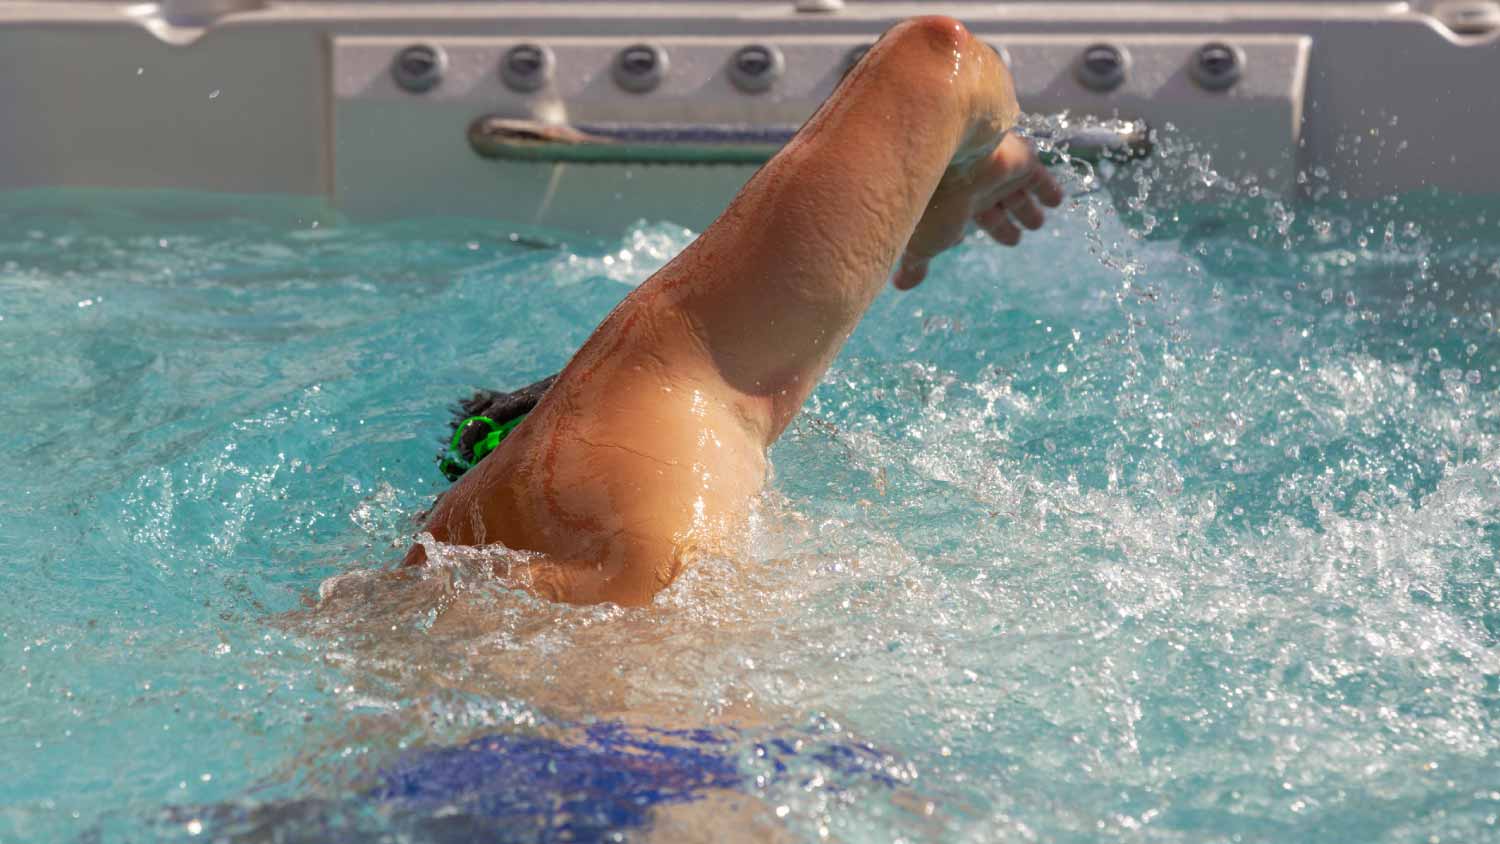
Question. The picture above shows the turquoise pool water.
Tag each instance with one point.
(1166, 528)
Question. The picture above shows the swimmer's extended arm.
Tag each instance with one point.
(651, 444)
(893, 166)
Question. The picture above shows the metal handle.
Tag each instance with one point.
(529, 140)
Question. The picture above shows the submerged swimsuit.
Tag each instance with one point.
(520, 787)
(608, 778)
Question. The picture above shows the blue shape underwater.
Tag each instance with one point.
(601, 779)
(579, 790)
(544, 789)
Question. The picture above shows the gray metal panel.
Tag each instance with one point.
(111, 106)
(1391, 98)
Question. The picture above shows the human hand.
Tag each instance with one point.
(1003, 193)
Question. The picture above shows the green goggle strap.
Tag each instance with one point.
(492, 440)
(455, 465)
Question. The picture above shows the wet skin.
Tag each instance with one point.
(651, 446)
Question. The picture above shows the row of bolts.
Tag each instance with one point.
(754, 68)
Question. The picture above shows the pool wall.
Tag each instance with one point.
(331, 99)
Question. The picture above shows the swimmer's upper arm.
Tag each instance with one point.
(616, 478)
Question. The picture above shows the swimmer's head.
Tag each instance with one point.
(500, 410)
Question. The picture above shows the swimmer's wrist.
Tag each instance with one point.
(992, 107)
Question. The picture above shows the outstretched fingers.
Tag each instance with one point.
(1021, 205)
(997, 224)
(1004, 194)
(1023, 208)
(1046, 188)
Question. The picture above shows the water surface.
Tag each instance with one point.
(1178, 523)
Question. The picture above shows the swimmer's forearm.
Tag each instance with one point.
(779, 282)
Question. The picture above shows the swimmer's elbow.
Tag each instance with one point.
(938, 33)
(936, 57)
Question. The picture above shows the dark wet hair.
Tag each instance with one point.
(498, 406)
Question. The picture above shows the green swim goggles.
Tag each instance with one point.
(453, 464)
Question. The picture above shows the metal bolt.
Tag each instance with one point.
(419, 68)
(1469, 17)
(1102, 67)
(640, 67)
(1217, 66)
(756, 67)
(527, 67)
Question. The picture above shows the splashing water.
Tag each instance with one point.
(1177, 523)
